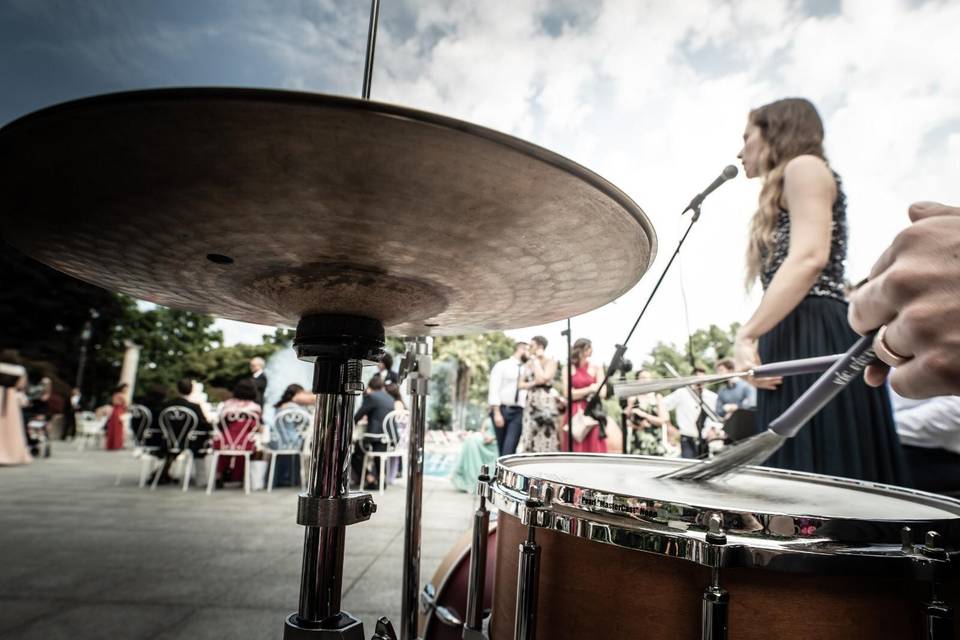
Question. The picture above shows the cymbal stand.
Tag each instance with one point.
(338, 346)
(415, 367)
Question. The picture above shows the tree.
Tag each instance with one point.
(42, 317)
(707, 346)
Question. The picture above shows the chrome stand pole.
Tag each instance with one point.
(337, 345)
(416, 365)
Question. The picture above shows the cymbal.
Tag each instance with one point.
(264, 206)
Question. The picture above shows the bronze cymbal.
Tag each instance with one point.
(264, 206)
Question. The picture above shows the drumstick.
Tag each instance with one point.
(772, 370)
(756, 449)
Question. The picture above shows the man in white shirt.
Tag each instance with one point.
(929, 431)
(684, 402)
(507, 399)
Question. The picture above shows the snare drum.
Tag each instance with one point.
(762, 554)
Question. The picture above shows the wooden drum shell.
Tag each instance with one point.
(592, 590)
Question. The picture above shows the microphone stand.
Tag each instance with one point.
(595, 400)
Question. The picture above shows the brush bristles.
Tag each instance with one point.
(754, 450)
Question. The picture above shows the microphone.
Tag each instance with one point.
(729, 171)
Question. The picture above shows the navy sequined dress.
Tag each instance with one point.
(854, 436)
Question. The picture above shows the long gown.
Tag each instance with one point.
(592, 443)
(854, 435)
(115, 423)
(13, 441)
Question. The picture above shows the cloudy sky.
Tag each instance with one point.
(652, 95)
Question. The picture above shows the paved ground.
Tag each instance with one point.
(82, 558)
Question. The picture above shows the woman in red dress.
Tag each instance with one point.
(586, 380)
(115, 421)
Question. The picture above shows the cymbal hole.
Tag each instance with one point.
(219, 258)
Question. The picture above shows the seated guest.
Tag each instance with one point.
(394, 390)
(929, 432)
(239, 418)
(286, 435)
(478, 449)
(376, 404)
(177, 441)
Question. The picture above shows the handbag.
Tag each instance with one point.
(582, 424)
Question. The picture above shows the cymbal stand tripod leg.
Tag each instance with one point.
(337, 345)
(416, 367)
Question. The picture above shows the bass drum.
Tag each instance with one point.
(443, 602)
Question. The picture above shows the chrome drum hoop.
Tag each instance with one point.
(754, 539)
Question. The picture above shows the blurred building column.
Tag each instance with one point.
(128, 372)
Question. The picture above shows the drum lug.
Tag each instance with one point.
(716, 601)
(478, 556)
(937, 613)
(528, 575)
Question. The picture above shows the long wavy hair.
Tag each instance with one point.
(790, 127)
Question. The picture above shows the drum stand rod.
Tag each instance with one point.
(416, 364)
(337, 345)
(473, 627)
(528, 577)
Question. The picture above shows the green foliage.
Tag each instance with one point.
(707, 346)
(475, 356)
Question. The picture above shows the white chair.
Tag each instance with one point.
(89, 430)
(178, 426)
(234, 443)
(286, 438)
(394, 437)
(144, 437)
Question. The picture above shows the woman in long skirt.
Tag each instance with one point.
(798, 244)
(115, 421)
(540, 412)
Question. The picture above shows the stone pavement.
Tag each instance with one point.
(82, 558)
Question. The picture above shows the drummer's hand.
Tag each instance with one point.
(914, 289)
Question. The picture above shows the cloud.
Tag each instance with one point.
(651, 95)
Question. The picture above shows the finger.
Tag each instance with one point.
(896, 340)
(869, 308)
(875, 374)
(926, 209)
(916, 379)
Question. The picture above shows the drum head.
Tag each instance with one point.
(770, 518)
(755, 490)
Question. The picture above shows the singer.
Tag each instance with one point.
(797, 247)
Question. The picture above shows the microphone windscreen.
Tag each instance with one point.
(730, 171)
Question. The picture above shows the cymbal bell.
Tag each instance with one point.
(264, 206)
